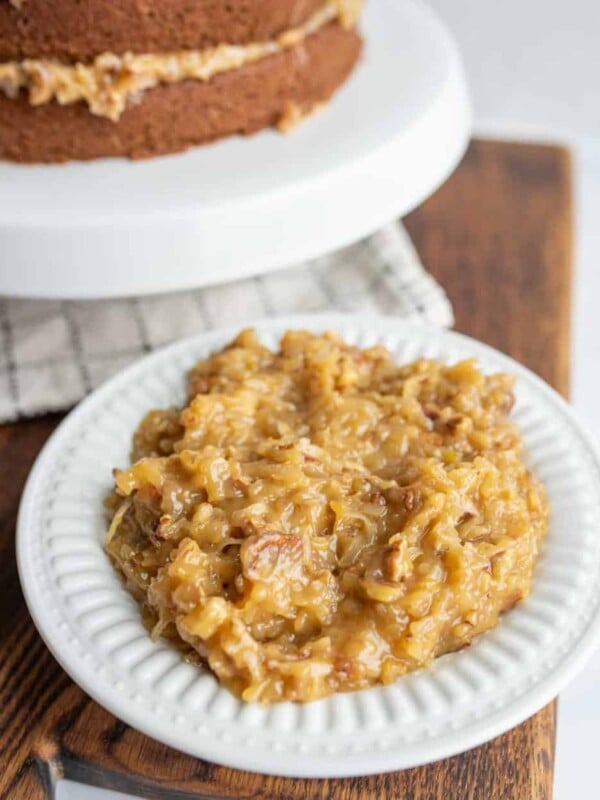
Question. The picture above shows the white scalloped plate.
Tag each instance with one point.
(93, 627)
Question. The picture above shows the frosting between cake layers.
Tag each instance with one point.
(111, 81)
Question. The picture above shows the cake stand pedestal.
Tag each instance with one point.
(245, 206)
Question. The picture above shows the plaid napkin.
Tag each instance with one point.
(53, 352)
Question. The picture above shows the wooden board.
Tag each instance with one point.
(498, 237)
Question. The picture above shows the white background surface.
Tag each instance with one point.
(534, 68)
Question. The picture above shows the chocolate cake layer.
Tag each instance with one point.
(171, 118)
(78, 31)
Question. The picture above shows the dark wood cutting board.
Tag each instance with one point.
(498, 237)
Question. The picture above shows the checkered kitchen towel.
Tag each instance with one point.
(52, 353)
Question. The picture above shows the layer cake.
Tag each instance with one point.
(139, 78)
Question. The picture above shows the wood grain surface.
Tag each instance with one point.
(498, 237)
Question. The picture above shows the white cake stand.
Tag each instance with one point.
(244, 206)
